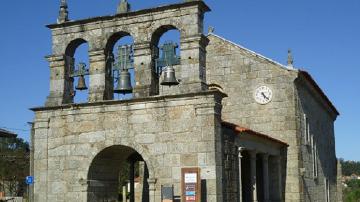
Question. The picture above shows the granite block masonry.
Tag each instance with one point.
(209, 121)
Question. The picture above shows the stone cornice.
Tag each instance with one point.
(203, 7)
(216, 93)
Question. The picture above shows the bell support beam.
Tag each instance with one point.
(99, 89)
(61, 85)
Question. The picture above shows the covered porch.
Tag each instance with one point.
(254, 165)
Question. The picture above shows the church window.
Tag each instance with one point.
(314, 157)
(306, 130)
(327, 190)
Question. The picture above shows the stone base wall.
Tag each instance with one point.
(170, 133)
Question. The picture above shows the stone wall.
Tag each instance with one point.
(169, 132)
(145, 27)
(321, 123)
(239, 72)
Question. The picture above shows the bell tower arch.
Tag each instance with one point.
(145, 26)
(78, 146)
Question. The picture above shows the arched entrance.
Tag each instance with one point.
(116, 172)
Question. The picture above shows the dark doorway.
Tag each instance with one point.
(111, 170)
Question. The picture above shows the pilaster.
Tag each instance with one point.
(193, 63)
(152, 189)
(99, 89)
(145, 77)
(61, 85)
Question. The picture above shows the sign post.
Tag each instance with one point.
(29, 180)
(191, 184)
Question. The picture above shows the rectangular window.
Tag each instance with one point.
(315, 158)
(306, 130)
(327, 190)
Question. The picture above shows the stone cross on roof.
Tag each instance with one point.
(290, 61)
(123, 7)
(63, 13)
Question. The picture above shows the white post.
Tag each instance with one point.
(124, 193)
(240, 175)
(253, 175)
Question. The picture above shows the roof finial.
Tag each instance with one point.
(63, 13)
(211, 30)
(290, 59)
(123, 7)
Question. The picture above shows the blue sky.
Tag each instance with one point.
(323, 34)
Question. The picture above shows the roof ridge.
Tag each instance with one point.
(253, 52)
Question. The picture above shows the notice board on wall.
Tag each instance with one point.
(191, 184)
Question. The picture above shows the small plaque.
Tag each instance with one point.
(190, 198)
(190, 177)
(190, 187)
(190, 193)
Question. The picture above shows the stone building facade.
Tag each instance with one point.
(282, 150)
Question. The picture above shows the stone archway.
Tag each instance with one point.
(108, 170)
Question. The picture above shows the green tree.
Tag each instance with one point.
(350, 167)
(14, 166)
(352, 192)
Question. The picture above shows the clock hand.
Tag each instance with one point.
(263, 94)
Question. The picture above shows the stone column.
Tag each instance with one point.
(98, 77)
(265, 162)
(132, 184)
(61, 85)
(253, 175)
(152, 189)
(240, 149)
(124, 193)
(144, 73)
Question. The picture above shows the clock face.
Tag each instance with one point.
(263, 95)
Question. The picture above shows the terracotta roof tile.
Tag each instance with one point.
(240, 129)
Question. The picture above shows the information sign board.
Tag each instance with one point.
(191, 184)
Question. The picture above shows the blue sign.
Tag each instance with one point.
(190, 193)
(29, 180)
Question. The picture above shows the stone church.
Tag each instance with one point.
(207, 120)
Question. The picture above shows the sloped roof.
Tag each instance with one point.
(6, 134)
(251, 52)
(239, 129)
(303, 73)
(309, 78)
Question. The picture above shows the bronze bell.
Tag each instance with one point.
(81, 84)
(124, 83)
(169, 77)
